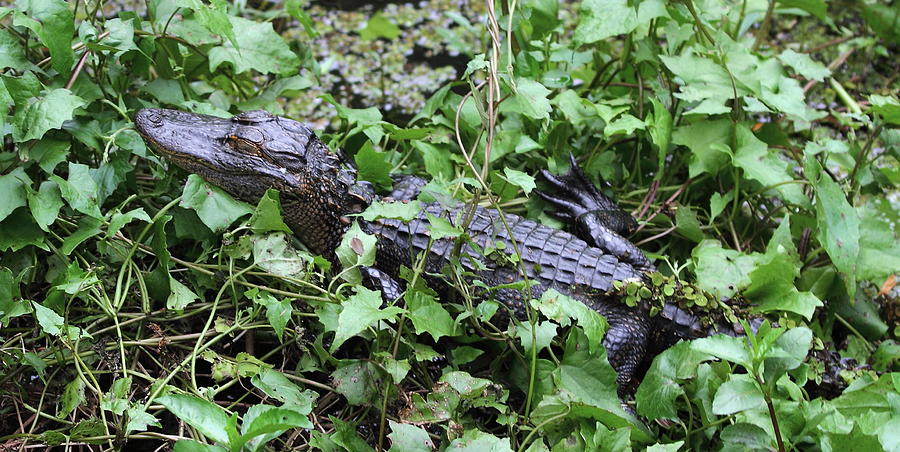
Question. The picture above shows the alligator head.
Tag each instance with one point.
(254, 151)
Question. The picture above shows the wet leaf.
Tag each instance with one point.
(80, 190)
(600, 19)
(361, 311)
(429, 316)
(12, 191)
(262, 50)
(46, 113)
(737, 394)
(216, 208)
(206, 417)
(409, 438)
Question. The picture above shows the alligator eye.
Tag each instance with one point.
(246, 147)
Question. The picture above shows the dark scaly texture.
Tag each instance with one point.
(255, 151)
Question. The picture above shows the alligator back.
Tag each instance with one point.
(551, 258)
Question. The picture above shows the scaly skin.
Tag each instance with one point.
(255, 151)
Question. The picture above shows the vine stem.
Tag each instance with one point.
(772, 416)
(764, 28)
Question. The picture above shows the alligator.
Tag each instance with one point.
(321, 196)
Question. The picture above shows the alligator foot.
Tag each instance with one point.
(598, 220)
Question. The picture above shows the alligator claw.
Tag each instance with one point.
(596, 218)
(580, 197)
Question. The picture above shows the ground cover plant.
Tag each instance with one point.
(756, 143)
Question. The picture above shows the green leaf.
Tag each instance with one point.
(10, 304)
(838, 224)
(729, 348)
(737, 394)
(214, 17)
(55, 28)
(206, 417)
(356, 249)
(80, 190)
(72, 396)
(263, 423)
(180, 296)
(89, 227)
(600, 19)
(753, 156)
(879, 240)
(687, 224)
(478, 441)
(379, 26)
(463, 355)
(659, 126)
(45, 203)
(47, 112)
(544, 333)
(50, 153)
(357, 380)
(274, 254)
(189, 445)
(429, 316)
(717, 203)
(12, 54)
(704, 139)
(562, 308)
(573, 107)
(403, 211)
(440, 228)
(12, 191)
(703, 80)
(139, 419)
(804, 65)
(530, 99)
(660, 388)
(720, 271)
(19, 231)
(374, 166)
(295, 9)
(116, 400)
(437, 160)
(119, 220)
(887, 107)
(590, 380)
(216, 208)
(267, 215)
(51, 322)
(814, 7)
(283, 87)
(278, 312)
(671, 447)
(743, 435)
(276, 385)
(519, 179)
(121, 35)
(788, 353)
(773, 288)
(262, 50)
(409, 438)
(625, 125)
(360, 311)
(86, 429)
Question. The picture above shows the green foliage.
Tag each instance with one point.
(756, 142)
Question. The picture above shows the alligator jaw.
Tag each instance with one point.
(255, 151)
(199, 144)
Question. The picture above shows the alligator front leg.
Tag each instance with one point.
(626, 341)
(598, 220)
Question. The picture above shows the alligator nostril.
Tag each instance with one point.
(155, 118)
